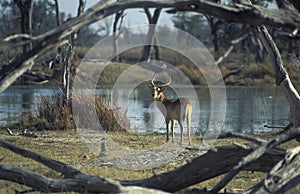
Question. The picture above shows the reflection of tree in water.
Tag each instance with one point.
(27, 99)
(205, 108)
(244, 106)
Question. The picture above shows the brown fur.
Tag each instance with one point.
(174, 109)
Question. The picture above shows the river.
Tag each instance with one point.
(248, 108)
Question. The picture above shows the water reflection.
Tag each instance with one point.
(15, 101)
(248, 108)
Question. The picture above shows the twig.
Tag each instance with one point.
(274, 127)
(25, 133)
(9, 131)
(285, 128)
(16, 36)
(239, 136)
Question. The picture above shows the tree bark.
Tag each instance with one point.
(253, 156)
(151, 34)
(26, 7)
(282, 77)
(68, 58)
(284, 176)
(118, 17)
(57, 18)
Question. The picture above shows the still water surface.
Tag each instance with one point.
(248, 108)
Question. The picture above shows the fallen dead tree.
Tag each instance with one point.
(251, 157)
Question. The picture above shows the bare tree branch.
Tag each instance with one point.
(284, 176)
(255, 140)
(55, 165)
(231, 47)
(80, 183)
(257, 153)
(278, 18)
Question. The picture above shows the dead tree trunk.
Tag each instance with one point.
(68, 59)
(25, 8)
(58, 57)
(282, 77)
(214, 24)
(118, 17)
(151, 36)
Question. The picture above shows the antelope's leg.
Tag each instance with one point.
(189, 130)
(167, 128)
(181, 131)
(189, 119)
(172, 128)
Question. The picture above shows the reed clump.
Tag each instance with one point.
(55, 114)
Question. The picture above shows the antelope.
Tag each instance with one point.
(173, 109)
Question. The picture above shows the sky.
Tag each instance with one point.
(134, 17)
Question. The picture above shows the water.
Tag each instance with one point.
(17, 100)
(248, 108)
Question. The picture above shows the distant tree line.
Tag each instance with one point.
(43, 20)
(217, 33)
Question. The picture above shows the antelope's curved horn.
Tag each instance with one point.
(167, 84)
(152, 81)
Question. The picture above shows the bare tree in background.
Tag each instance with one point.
(118, 20)
(26, 7)
(67, 60)
(151, 34)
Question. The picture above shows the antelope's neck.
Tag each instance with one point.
(162, 98)
(165, 100)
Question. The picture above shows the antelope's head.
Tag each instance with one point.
(157, 92)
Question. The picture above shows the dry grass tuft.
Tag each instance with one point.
(52, 114)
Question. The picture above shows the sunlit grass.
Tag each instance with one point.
(67, 147)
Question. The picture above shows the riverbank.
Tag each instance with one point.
(236, 70)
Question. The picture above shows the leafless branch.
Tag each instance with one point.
(255, 140)
(231, 47)
(284, 176)
(257, 153)
(16, 36)
(280, 17)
